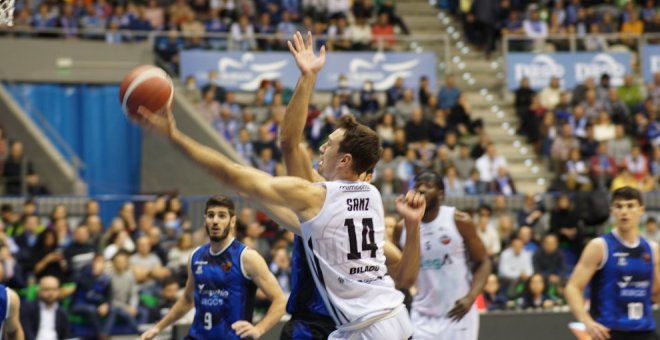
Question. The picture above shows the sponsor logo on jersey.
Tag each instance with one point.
(354, 187)
(226, 266)
(436, 263)
(632, 288)
(646, 257)
(444, 239)
(370, 280)
(199, 270)
(364, 269)
(201, 286)
(621, 258)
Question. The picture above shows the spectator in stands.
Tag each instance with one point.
(549, 96)
(536, 294)
(404, 107)
(503, 183)
(604, 130)
(266, 27)
(385, 129)
(124, 290)
(460, 117)
(244, 145)
(417, 126)
(408, 166)
(588, 145)
(564, 223)
(68, 22)
(209, 107)
(62, 231)
(592, 107)
(387, 182)
(453, 184)
(44, 318)
(636, 163)
(531, 212)
(654, 163)
(620, 146)
(576, 171)
(439, 127)
(117, 239)
(387, 160)
(16, 166)
(473, 185)
(92, 297)
(146, 265)
(46, 258)
(651, 231)
(369, 104)
(579, 122)
(617, 109)
(95, 228)
(285, 28)
(80, 252)
(624, 178)
(548, 261)
(448, 94)
(494, 298)
(340, 35)
(536, 29)
(561, 146)
(653, 26)
(603, 167)
(486, 231)
(524, 96)
(395, 93)
(242, 34)
(424, 91)
(488, 164)
(34, 186)
(382, 32)
(360, 35)
(463, 163)
(485, 12)
(280, 266)
(167, 299)
(155, 14)
(253, 232)
(630, 92)
(580, 91)
(515, 265)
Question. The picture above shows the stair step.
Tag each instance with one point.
(417, 8)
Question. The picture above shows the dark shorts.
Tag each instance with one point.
(307, 328)
(621, 335)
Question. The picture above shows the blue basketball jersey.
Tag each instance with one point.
(304, 298)
(223, 295)
(621, 289)
(4, 307)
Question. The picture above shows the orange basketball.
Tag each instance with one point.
(147, 86)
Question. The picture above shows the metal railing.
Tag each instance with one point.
(577, 43)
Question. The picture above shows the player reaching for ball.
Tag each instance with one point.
(342, 223)
(222, 279)
(623, 269)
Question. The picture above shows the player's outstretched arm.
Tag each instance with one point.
(296, 158)
(403, 266)
(303, 197)
(12, 326)
(481, 265)
(591, 259)
(182, 306)
(656, 272)
(256, 268)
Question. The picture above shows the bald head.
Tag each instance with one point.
(49, 289)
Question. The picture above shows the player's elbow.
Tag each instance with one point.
(406, 280)
(287, 143)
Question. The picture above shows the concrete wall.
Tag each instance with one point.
(53, 169)
(165, 168)
(63, 61)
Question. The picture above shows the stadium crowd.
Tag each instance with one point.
(595, 137)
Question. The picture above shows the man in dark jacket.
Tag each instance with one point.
(43, 318)
(92, 297)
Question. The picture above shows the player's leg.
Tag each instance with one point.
(425, 327)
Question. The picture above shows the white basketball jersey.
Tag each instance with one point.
(444, 275)
(344, 248)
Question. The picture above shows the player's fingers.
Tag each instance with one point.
(322, 53)
(301, 42)
(291, 48)
(309, 40)
(296, 44)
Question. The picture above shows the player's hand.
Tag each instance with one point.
(461, 307)
(245, 329)
(150, 334)
(412, 206)
(597, 331)
(307, 62)
(162, 121)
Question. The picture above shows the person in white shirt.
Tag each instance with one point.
(536, 28)
(487, 233)
(489, 163)
(551, 95)
(515, 264)
(43, 319)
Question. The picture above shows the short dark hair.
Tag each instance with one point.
(121, 252)
(429, 176)
(220, 201)
(627, 193)
(361, 142)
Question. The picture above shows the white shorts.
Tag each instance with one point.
(442, 328)
(397, 327)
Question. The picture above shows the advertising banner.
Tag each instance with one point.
(244, 71)
(571, 68)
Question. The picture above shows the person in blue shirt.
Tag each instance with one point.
(223, 276)
(623, 269)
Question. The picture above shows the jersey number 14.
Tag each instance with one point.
(368, 242)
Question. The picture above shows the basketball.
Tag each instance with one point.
(147, 86)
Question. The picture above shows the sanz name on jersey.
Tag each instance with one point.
(358, 270)
(357, 204)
